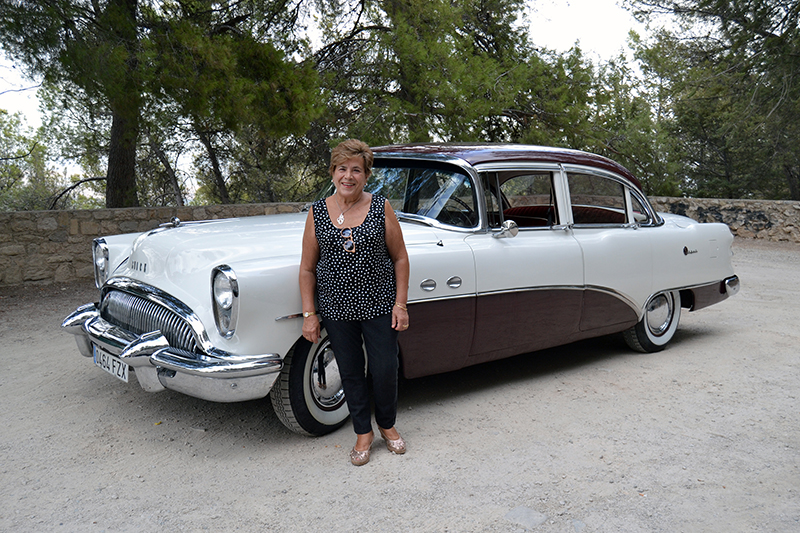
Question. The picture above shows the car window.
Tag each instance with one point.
(525, 196)
(441, 193)
(529, 199)
(640, 214)
(596, 199)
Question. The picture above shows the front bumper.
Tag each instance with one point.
(217, 377)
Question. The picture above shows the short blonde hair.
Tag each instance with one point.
(348, 150)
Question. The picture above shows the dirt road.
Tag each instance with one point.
(588, 437)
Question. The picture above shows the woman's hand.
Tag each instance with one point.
(399, 318)
(311, 328)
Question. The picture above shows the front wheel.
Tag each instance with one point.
(308, 396)
(658, 325)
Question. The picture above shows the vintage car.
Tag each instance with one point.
(512, 249)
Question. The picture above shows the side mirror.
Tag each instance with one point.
(508, 228)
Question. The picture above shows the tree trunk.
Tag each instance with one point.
(125, 107)
(173, 179)
(793, 180)
(121, 173)
(219, 179)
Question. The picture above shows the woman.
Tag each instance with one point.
(355, 263)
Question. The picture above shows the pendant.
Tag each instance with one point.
(340, 220)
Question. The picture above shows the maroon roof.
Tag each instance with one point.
(478, 153)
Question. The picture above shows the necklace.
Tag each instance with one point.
(340, 218)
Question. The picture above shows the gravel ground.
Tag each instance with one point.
(587, 437)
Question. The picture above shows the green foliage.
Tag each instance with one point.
(27, 180)
(228, 97)
(734, 76)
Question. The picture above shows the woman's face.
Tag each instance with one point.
(350, 177)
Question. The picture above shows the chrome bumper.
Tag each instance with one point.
(731, 285)
(217, 377)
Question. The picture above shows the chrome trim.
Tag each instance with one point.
(732, 285)
(100, 247)
(108, 337)
(166, 300)
(500, 166)
(288, 317)
(145, 345)
(427, 284)
(149, 349)
(454, 282)
(74, 322)
(442, 298)
(220, 376)
(74, 325)
(656, 220)
(139, 315)
(465, 167)
(174, 222)
(232, 314)
(251, 366)
(217, 390)
(508, 229)
(433, 223)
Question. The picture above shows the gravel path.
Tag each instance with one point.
(583, 438)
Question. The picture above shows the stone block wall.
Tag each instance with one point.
(751, 219)
(55, 246)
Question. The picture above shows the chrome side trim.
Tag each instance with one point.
(288, 317)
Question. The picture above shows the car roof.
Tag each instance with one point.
(478, 153)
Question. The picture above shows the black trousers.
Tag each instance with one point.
(380, 342)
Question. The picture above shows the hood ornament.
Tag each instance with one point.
(174, 222)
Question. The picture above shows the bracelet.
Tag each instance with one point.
(307, 314)
(401, 306)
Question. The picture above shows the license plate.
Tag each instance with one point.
(111, 364)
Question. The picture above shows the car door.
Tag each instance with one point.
(617, 251)
(439, 208)
(529, 287)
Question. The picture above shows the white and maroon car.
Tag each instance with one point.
(512, 248)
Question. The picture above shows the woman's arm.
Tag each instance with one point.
(399, 255)
(308, 279)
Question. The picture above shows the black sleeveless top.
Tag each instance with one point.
(357, 285)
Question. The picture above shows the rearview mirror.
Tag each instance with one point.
(508, 228)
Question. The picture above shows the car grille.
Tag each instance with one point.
(138, 315)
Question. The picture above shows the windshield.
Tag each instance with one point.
(439, 192)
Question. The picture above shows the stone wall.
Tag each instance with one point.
(750, 219)
(55, 246)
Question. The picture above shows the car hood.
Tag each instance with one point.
(189, 251)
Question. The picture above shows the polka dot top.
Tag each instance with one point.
(357, 285)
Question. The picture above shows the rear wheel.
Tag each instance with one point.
(308, 397)
(658, 325)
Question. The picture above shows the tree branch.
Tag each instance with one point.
(70, 188)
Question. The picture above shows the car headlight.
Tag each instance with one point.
(225, 299)
(100, 259)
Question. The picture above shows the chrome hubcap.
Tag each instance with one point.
(659, 314)
(326, 383)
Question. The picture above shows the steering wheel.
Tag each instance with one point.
(468, 217)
